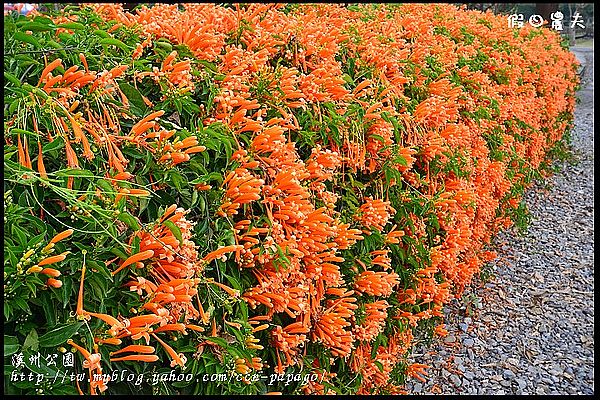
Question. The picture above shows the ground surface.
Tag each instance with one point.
(530, 330)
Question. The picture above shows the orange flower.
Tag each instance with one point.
(144, 255)
(80, 310)
(134, 348)
(86, 354)
(62, 235)
(137, 357)
(194, 328)
(220, 252)
(50, 272)
(176, 358)
(112, 341)
(23, 149)
(145, 320)
(55, 283)
(49, 68)
(375, 213)
(40, 162)
(172, 327)
(110, 320)
(417, 371)
(53, 259)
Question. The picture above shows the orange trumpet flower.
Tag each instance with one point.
(62, 235)
(137, 357)
(53, 259)
(176, 359)
(80, 295)
(50, 272)
(135, 348)
(55, 283)
(144, 255)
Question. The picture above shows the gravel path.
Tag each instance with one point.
(530, 330)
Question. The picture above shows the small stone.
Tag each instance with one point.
(455, 380)
(512, 361)
(508, 374)
(449, 339)
(468, 342)
(556, 370)
(568, 376)
(540, 390)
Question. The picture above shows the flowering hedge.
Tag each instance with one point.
(261, 189)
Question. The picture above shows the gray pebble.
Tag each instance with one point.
(508, 374)
(455, 380)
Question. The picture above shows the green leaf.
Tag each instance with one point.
(135, 98)
(378, 137)
(58, 46)
(348, 79)
(219, 341)
(175, 230)
(59, 335)
(164, 45)
(22, 304)
(233, 282)
(74, 172)
(101, 33)
(31, 341)
(20, 234)
(12, 108)
(119, 253)
(209, 65)
(115, 42)
(57, 143)
(105, 186)
(7, 312)
(36, 27)
(177, 179)
(213, 176)
(49, 308)
(24, 37)
(11, 78)
(24, 132)
(14, 166)
(31, 287)
(67, 288)
(66, 38)
(11, 345)
(39, 224)
(72, 26)
(130, 220)
(43, 20)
